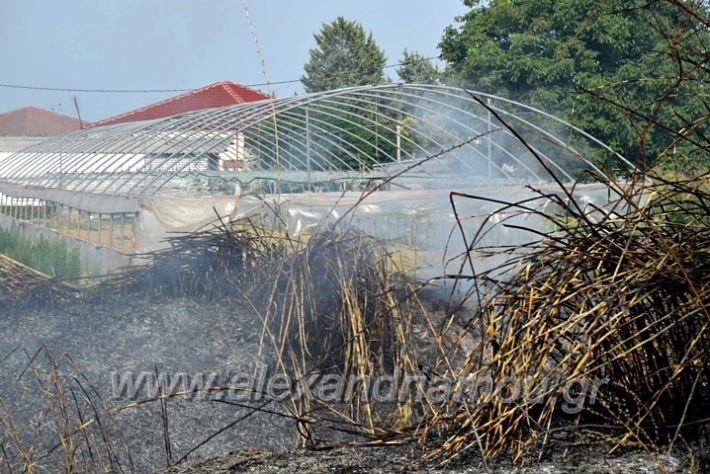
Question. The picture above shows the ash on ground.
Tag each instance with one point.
(90, 342)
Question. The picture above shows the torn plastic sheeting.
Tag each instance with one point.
(160, 217)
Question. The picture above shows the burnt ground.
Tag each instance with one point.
(393, 459)
(172, 335)
(193, 335)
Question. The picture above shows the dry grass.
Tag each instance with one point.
(21, 285)
(622, 295)
(72, 430)
(220, 261)
(330, 308)
(327, 302)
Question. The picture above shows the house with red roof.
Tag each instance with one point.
(219, 94)
(36, 122)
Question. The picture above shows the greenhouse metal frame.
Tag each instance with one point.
(92, 183)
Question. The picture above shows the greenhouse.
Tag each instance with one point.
(126, 186)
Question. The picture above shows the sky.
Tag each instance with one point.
(184, 44)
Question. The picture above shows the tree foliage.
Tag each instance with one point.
(417, 69)
(344, 56)
(613, 67)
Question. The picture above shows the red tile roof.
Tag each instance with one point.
(33, 121)
(219, 94)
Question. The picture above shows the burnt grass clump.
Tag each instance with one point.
(220, 261)
(619, 295)
(21, 286)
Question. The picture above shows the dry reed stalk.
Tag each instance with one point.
(24, 286)
(71, 431)
(331, 309)
(623, 296)
(326, 301)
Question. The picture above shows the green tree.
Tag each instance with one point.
(417, 69)
(344, 56)
(610, 67)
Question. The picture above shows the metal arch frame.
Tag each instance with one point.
(564, 123)
(153, 154)
(193, 122)
(140, 148)
(100, 158)
(76, 155)
(325, 136)
(333, 108)
(505, 131)
(473, 130)
(321, 101)
(264, 119)
(476, 132)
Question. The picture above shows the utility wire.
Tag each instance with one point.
(139, 91)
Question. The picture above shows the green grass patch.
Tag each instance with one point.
(50, 256)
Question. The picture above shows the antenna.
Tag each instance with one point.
(78, 113)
